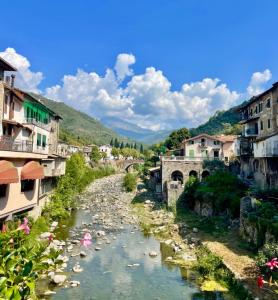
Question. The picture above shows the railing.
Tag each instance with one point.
(252, 131)
(245, 147)
(37, 123)
(188, 158)
(8, 144)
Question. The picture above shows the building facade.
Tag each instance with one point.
(28, 143)
(258, 146)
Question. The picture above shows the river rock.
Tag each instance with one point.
(77, 269)
(45, 235)
(83, 254)
(74, 283)
(49, 293)
(152, 254)
(195, 230)
(59, 279)
(100, 233)
(97, 248)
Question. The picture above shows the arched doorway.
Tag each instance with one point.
(205, 174)
(193, 173)
(177, 176)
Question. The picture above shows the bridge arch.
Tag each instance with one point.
(177, 176)
(193, 173)
(205, 174)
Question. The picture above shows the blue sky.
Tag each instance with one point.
(187, 40)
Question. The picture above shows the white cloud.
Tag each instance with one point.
(258, 81)
(25, 79)
(122, 66)
(145, 99)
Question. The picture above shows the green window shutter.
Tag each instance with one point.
(39, 139)
(191, 153)
(44, 140)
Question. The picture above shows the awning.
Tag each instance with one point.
(32, 170)
(8, 172)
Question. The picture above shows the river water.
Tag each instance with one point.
(109, 272)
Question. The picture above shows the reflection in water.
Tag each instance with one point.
(107, 276)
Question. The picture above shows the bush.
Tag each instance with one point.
(130, 182)
(267, 253)
(222, 189)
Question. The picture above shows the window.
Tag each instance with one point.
(3, 190)
(216, 142)
(262, 125)
(216, 154)
(251, 112)
(268, 123)
(191, 142)
(268, 104)
(44, 141)
(256, 109)
(260, 107)
(6, 104)
(39, 139)
(27, 185)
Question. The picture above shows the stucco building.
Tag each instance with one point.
(28, 143)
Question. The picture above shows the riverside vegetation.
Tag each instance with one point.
(24, 257)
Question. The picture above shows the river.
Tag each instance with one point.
(117, 265)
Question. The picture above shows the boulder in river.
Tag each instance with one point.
(152, 254)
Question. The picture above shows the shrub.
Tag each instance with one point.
(222, 189)
(266, 254)
(130, 181)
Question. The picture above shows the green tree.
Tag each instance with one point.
(115, 152)
(95, 154)
(141, 148)
(176, 137)
(112, 143)
(116, 143)
(122, 145)
(135, 146)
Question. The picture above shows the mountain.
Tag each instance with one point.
(219, 122)
(78, 127)
(133, 131)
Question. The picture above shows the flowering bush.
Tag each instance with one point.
(20, 262)
(268, 264)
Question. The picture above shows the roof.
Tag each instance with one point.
(257, 97)
(202, 135)
(37, 98)
(226, 138)
(4, 65)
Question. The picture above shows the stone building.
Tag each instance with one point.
(258, 146)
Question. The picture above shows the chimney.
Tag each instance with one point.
(12, 81)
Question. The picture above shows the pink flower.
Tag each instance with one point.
(260, 281)
(87, 240)
(50, 238)
(272, 264)
(24, 226)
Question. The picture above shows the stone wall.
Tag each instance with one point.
(170, 196)
(249, 230)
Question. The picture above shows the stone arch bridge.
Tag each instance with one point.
(127, 164)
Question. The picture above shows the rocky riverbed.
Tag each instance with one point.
(124, 260)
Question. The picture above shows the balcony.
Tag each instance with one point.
(253, 131)
(33, 121)
(189, 158)
(9, 144)
(245, 147)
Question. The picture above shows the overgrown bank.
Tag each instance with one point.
(24, 257)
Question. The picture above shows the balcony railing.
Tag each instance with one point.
(188, 158)
(252, 132)
(9, 144)
(37, 123)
